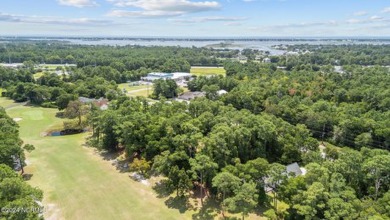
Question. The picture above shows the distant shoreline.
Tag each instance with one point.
(275, 46)
(9, 37)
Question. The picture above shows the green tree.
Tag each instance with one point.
(10, 143)
(179, 180)
(17, 194)
(363, 140)
(140, 165)
(203, 167)
(211, 91)
(63, 101)
(166, 88)
(378, 170)
(76, 109)
(226, 183)
(244, 200)
(311, 203)
(276, 176)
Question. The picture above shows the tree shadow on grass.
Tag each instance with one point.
(27, 176)
(208, 211)
(60, 115)
(179, 202)
(107, 155)
(162, 189)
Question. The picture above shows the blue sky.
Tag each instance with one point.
(213, 18)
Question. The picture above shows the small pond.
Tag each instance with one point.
(56, 133)
(66, 132)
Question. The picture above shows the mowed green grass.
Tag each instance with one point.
(141, 92)
(4, 102)
(132, 88)
(77, 182)
(38, 75)
(133, 91)
(204, 71)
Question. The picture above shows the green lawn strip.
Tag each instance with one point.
(199, 71)
(38, 75)
(132, 88)
(5, 102)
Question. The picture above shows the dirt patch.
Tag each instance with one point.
(52, 212)
(139, 178)
(44, 134)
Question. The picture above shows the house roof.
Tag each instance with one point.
(191, 95)
(86, 100)
(221, 92)
(179, 75)
(102, 103)
(294, 168)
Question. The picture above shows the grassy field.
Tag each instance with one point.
(77, 182)
(38, 75)
(133, 91)
(143, 92)
(4, 102)
(132, 88)
(204, 71)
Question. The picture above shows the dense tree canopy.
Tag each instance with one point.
(235, 147)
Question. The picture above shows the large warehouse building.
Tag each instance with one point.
(175, 76)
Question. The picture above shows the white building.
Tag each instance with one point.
(267, 60)
(221, 92)
(181, 76)
(12, 65)
(177, 76)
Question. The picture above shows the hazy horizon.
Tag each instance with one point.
(196, 18)
(201, 37)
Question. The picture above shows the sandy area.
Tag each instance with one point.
(17, 119)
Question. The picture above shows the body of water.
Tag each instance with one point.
(263, 44)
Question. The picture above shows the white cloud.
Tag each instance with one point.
(308, 24)
(53, 20)
(360, 13)
(234, 23)
(9, 18)
(142, 14)
(364, 26)
(158, 8)
(386, 10)
(78, 3)
(376, 18)
(354, 21)
(209, 19)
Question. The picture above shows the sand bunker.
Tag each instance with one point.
(17, 119)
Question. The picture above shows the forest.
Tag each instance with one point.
(235, 148)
